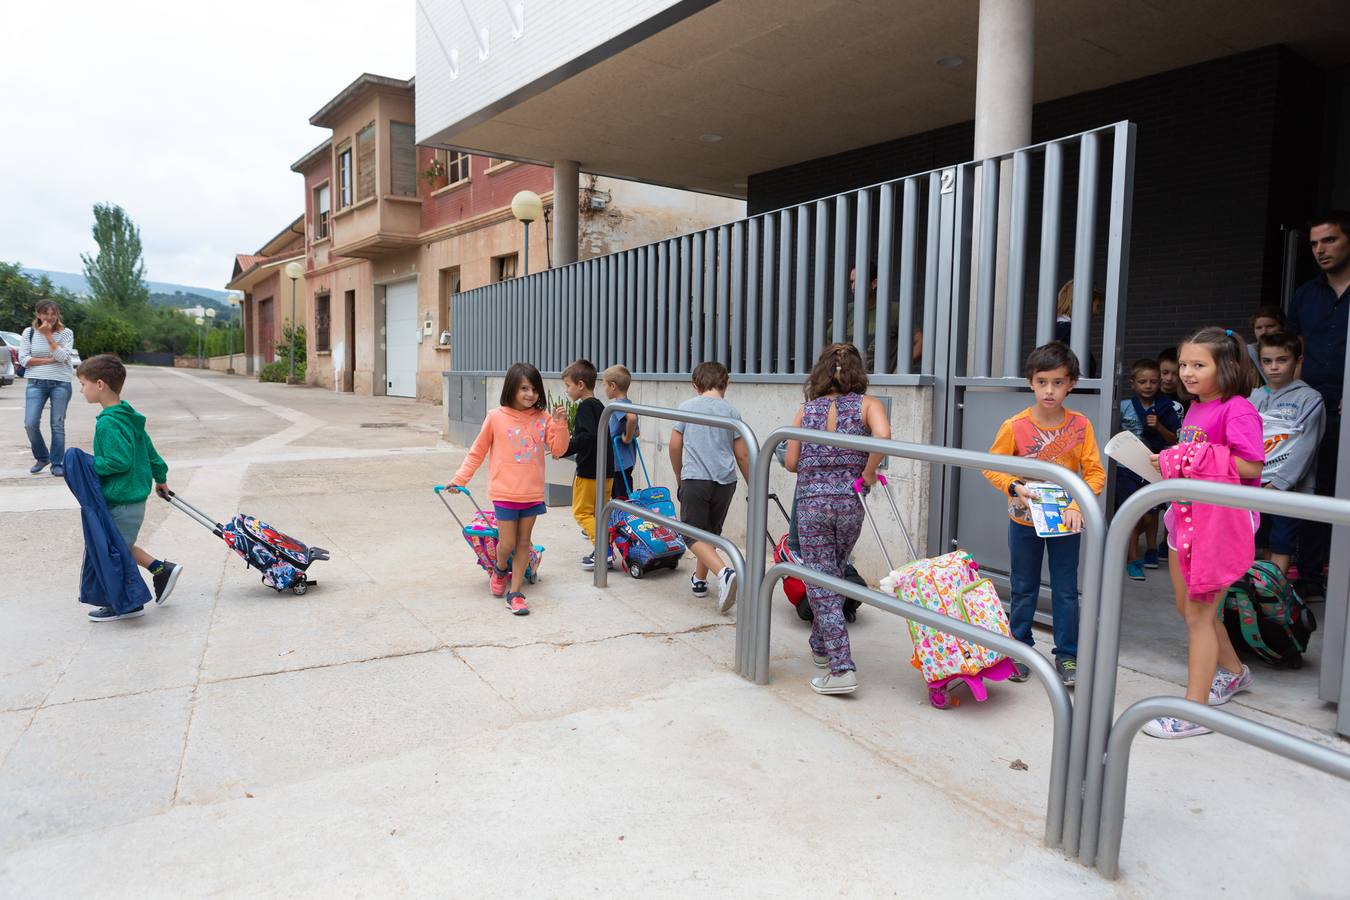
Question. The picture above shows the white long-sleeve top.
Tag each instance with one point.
(33, 344)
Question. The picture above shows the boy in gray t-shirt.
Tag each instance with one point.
(705, 460)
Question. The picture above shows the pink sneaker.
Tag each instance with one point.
(515, 601)
(498, 579)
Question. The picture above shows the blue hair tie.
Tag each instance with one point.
(1228, 331)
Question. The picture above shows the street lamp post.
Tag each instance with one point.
(527, 207)
(293, 271)
(201, 320)
(234, 305)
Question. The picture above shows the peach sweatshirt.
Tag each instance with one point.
(517, 439)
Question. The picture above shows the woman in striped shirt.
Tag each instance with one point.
(45, 352)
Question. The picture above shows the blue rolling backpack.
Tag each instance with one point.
(639, 545)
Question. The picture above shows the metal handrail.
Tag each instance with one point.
(1061, 707)
(749, 564)
(1107, 607)
(1094, 527)
(1127, 728)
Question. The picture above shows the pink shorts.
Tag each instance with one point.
(1169, 522)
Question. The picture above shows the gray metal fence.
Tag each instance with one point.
(746, 566)
(1061, 708)
(1094, 528)
(1127, 728)
(764, 294)
(1104, 607)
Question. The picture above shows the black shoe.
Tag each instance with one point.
(1021, 672)
(106, 614)
(58, 470)
(1068, 671)
(164, 580)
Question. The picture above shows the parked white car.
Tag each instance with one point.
(9, 358)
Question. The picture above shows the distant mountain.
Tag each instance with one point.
(76, 284)
(182, 300)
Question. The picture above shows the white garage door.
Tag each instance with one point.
(400, 339)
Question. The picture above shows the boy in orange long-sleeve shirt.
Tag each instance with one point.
(1047, 431)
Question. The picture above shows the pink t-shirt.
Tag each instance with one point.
(1234, 422)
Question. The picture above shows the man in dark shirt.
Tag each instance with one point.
(1320, 314)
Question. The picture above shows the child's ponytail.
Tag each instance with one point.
(1233, 365)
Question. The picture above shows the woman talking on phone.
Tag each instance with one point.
(44, 352)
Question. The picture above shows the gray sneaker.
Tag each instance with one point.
(822, 662)
(106, 614)
(1067, 670)
(1226, 685)
(843, 683)
(726, 589)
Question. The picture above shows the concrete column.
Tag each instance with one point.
(1005, 67)
(566, 189)
(1005, 70)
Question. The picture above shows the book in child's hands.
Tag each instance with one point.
(1048, 502)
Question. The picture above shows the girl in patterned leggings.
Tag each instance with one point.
(829, 515)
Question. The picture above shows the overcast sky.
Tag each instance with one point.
(187, 114)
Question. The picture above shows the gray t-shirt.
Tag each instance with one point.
(707, 451)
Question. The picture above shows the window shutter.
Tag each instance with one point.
(365, 162)
(402, 160)
(323, 199)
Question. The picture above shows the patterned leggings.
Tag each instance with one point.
(827, 528)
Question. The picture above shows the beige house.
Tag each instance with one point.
(392, 231)
(267, 302)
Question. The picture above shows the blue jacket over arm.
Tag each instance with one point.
(109, 576)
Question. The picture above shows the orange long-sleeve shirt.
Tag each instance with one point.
(1070, 444)
(517, 439)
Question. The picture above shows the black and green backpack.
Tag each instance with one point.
(1264, 612)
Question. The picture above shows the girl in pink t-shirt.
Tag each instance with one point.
(1215, 372)
(514, 438)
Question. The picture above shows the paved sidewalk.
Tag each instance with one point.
(395, 730)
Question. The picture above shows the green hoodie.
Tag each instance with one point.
(124, 457)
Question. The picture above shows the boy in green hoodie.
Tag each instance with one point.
(126, 461)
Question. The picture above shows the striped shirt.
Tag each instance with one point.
(33, 344)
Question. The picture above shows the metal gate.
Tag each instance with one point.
(1000, 278)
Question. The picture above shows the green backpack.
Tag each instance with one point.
(1264, 612)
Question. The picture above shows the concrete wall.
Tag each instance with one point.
(629, 214)
(554, 34)
(765, 407)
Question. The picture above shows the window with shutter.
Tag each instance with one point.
(322, 323)
(402, 160)
(321, 210)
(365, 163)
(344, 157)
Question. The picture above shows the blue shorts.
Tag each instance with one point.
(1277, 534)
(507, 514)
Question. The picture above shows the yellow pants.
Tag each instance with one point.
(583, 503)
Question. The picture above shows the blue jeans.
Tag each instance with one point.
(1026, 549)
(39, 391)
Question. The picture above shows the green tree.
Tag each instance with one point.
(20, 292)
(104, 331)
(116, 274)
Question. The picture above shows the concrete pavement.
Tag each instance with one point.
(396, 731)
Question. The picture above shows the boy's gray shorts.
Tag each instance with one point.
(128, 518)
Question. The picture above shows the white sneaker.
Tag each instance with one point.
(822, 662)
(1170, 727)
(843, 683)
(1226, 685)
(726, 589)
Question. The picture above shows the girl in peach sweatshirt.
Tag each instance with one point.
(517, 433)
